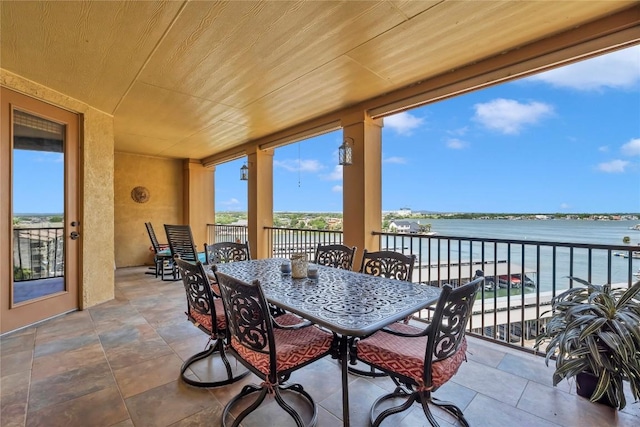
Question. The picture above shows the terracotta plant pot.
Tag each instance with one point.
(585, 386)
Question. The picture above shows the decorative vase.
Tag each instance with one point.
(299, 265)
(586, 384)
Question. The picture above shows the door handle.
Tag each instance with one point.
(74, 235)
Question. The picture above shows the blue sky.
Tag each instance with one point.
(567, 140)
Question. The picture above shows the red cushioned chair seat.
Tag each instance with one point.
(294, 347)
(205, 319)
(405, 356)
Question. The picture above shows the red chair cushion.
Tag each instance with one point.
(293, 347)
(405, 356)
(205, 319)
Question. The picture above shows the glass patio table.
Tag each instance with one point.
(349, 303)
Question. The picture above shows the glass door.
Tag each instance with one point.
(40, 143)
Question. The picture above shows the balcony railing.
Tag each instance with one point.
(521, 276)
(227, 233)
(38, 253)
(287, 241)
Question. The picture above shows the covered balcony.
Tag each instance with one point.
(164, 92)
(117, 364)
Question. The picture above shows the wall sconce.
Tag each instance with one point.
(345, 152)
(244, 173)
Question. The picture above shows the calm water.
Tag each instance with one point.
(538, 260)
(570, 231)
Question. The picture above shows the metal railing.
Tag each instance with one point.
(287, 241)
(227, 233)
(521, 276)
(38, 253)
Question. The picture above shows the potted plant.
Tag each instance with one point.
(594, 332)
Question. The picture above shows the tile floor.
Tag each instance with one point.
(117, 364)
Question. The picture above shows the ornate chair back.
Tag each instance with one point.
(201, 309)
(421, 360)
(447, 328)
(271, 348)
(389, 264)
(248, 319)
(337, 256)
(223, 252)
(207, 313)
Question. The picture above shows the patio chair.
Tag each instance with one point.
(272, 349)
(162, 253)
(420, 361)
(206, 312)
(389, 264)
(392, 265)
(337, 256)
(226, 252)
(181, 244)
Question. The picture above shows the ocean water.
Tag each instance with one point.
(596, 265)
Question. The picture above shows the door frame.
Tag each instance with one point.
(15, 316)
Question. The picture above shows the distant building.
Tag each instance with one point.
(404, 212)
(404, 226)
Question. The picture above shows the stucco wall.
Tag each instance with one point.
(164, 180)
(97, 256)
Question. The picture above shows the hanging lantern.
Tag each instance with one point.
(345, 152)
(244, 173)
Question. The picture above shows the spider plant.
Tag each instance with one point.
(596, 329)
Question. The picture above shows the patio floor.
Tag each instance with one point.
(117, 364)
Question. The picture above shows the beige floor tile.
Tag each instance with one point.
(101, 408)
(149, 374)
(570, 409)
(487, 412)
(63, 361)
(491, 382)
(168, 404)
(69, 385)
(18, 361)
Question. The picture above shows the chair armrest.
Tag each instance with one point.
(422, 333)
(303, 324)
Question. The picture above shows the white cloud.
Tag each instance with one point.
(564, 206)
(230, 202)
(631, 148)
(337, 188)
(459, 131)
(618, 70)
(396, 160)
(456, 144)
(293, 165)
(403, 123)
(335, 175)
(614, 166)
(604, 148)
(509, 116)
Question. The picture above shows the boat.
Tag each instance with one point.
(634, 254)
(500, 274)
(635, 227)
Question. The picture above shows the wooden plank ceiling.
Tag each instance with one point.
(193, 79)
